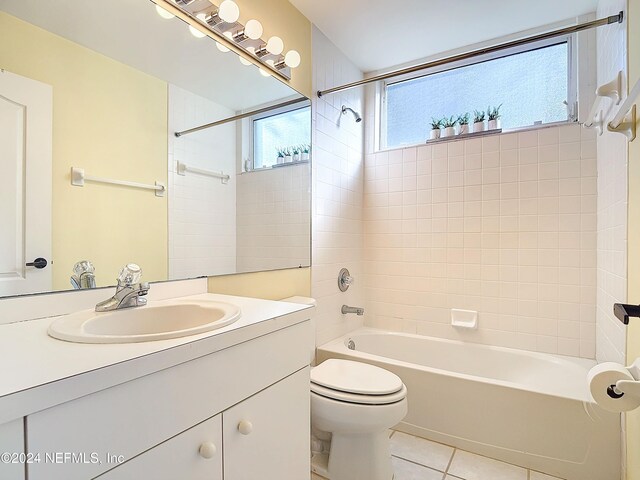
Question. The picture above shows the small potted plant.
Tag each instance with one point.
(478, 121)
(463, 124)
(493, 115)
(304, 155)
(296, 153)
(280, 158)
(448, 123)
(435, 129)
(287, 155)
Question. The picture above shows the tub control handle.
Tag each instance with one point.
(245, 427)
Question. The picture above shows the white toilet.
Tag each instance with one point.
(356, 403)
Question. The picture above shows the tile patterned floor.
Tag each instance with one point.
(415, 458)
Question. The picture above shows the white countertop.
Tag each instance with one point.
(38, 372)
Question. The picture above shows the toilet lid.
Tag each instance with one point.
(355, 377)
(358, 398)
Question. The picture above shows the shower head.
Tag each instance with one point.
(356, 115)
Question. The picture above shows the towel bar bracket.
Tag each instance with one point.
(628, 125)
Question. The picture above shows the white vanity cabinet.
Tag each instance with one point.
(11, 449)
(159, 422)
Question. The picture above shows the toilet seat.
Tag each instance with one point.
(358, 398)
(356, 382)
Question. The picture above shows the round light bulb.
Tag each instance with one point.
(253, 29)
(229, 11)
(221, 47)
(264, 73)
(292, 59)
(196, 33)
(164, 13)
(275, 45)
(244, 61)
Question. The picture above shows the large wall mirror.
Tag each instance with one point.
(93, 175)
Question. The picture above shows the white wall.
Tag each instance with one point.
(273, 213)
(202, 211)
(504, 225)
(612, 196)
(337, 191)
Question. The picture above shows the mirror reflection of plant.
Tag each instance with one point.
(296, 150)
(464, 119)
(494, 113)
(436, 123)
(448, 122)
(280, 151)
(478, 116)
(306, 148)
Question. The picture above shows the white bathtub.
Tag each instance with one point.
(526, 408)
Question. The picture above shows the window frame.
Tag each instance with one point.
(262, 116)
(572, 82)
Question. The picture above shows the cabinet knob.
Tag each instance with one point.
(207, 450)
(245, 427)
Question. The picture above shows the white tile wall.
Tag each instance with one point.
(273, 212)
(202, 211)
(337, 191)
(612, 197)
(505, 225)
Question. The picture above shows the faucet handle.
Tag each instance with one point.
(83, 266)
(345, 280)
(129, 275)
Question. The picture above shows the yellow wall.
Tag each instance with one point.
(273, 285)
(111, 120)
(281, 18)
(633, 331)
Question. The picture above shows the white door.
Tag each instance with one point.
(25, 184)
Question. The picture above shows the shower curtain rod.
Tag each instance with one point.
(481, 51)
(241, 116)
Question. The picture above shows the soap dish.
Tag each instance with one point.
(464, 318)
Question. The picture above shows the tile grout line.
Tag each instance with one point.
(417, 463)
(446, 470)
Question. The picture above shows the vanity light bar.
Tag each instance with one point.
(237, 37)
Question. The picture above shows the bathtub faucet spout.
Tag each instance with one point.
(357, 310)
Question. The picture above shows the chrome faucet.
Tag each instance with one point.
(83, 275)
(357, 310)
(129, 291)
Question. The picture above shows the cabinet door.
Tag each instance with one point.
(12, 443)
(267, 435)
(193, 455)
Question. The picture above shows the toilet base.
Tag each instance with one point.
(360, 457)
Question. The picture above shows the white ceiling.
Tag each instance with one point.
(378, 34)
(131, 32)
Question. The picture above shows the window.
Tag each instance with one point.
(532, 86)
(280, 130)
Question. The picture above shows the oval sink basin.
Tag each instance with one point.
(159, 321)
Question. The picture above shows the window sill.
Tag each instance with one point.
(273, 167)
(469, 136)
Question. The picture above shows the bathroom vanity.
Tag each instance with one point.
(229, 404)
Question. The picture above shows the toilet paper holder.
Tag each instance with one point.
(627, 387)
